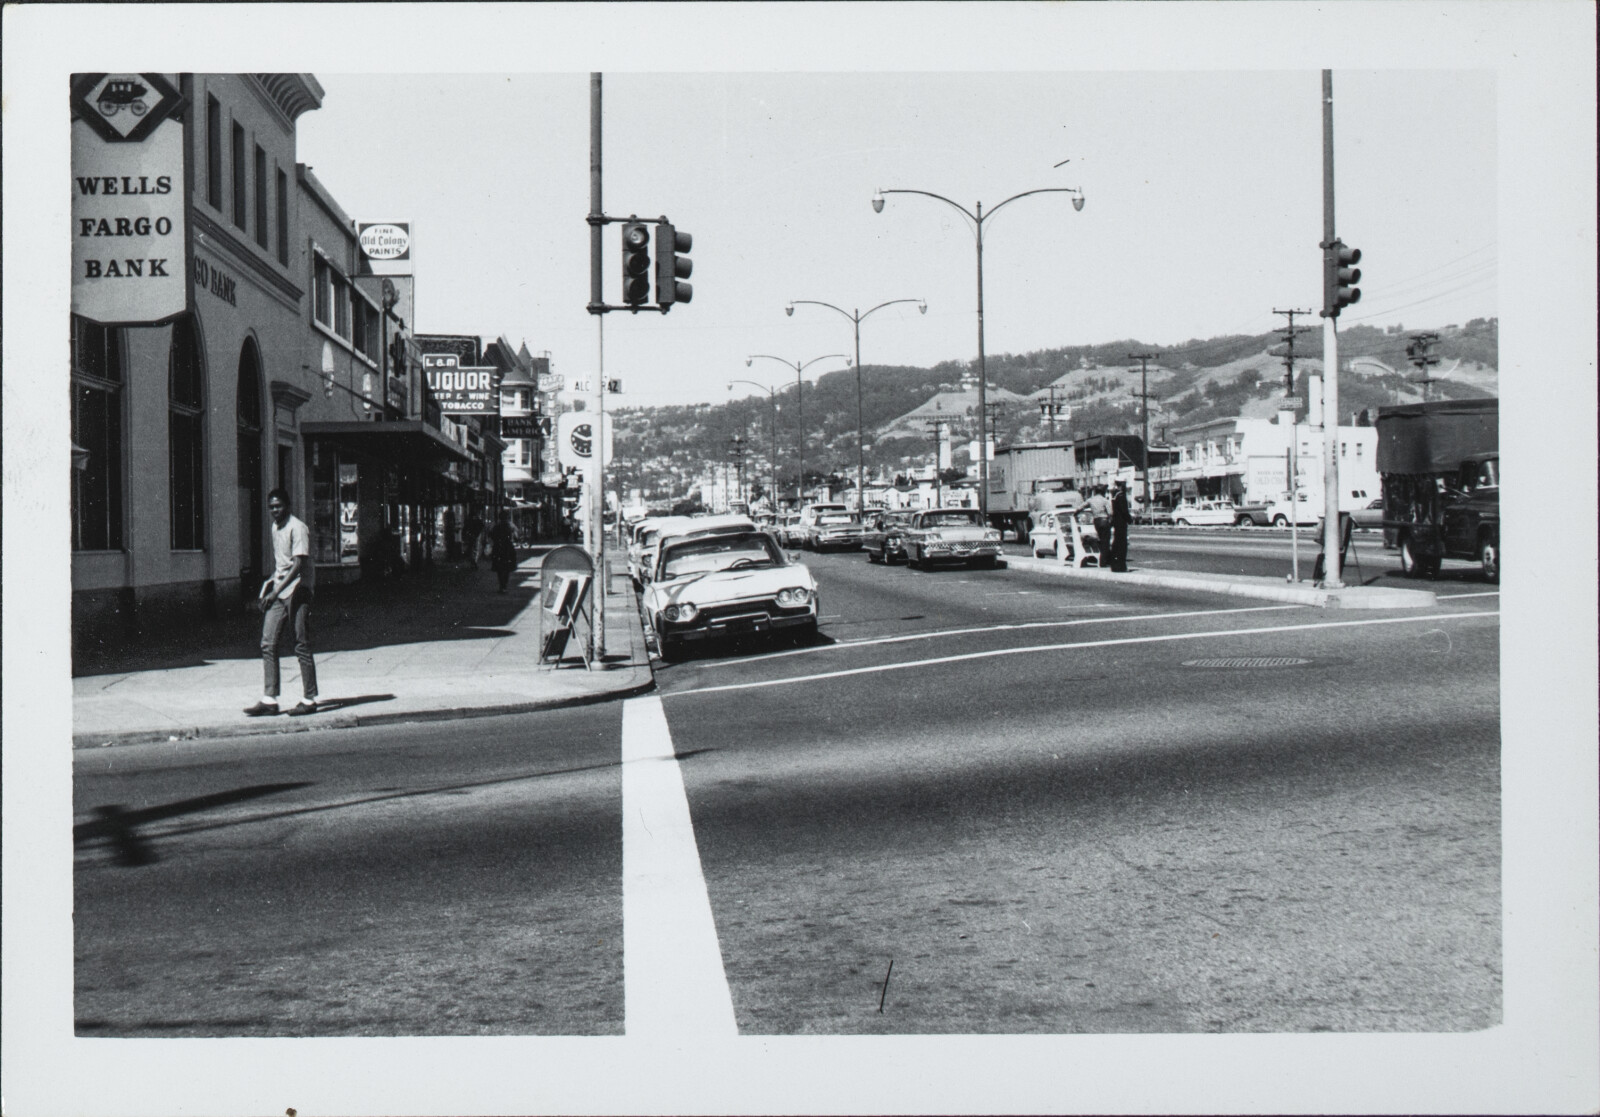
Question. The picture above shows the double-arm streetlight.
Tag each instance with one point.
(856, 317)
(977, 220)
(800, 411)
(772, 469)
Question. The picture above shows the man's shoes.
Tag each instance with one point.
(301, 709)
(261, 709)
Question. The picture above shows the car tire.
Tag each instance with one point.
(874, 556)
(1489, 558)
(671, 648)
(1181, 522)
(1244, 521)
(914, 558)
(1280, 520)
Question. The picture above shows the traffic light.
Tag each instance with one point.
(671, 267)
(1340, 276)
(635, 263)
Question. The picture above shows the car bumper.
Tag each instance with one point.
(739, 621)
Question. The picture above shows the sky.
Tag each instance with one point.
(1466, 173)
(1202, 190)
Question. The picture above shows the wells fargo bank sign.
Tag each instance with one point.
(128, 198)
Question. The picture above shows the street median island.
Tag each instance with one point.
(1243, 585)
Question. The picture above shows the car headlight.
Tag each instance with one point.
(681, 613)
(990, 536)
(794, 597)
(934, 537)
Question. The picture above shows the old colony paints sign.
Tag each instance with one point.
(128, 191)
(461, 389)
(385, 247)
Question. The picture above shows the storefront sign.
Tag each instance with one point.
(128, 191)
(519, 426)
(209, 277)
(552, 382)
(460, 389)
(385, 247)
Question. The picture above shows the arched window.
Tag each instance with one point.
(97, 377)
(186, 436)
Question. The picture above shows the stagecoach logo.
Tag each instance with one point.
(386, 241)
(123, 107)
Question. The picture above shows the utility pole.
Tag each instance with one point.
(1290, 332)
(1144, 417)
(1419, 351)
(937, 431)
(1051, 410)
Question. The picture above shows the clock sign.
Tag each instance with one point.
(582, 439)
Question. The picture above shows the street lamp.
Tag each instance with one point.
(800, 411)
(772, 398)
(856, 317)
(977, 220)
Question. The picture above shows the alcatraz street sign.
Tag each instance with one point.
(462, 390)
(129, 239)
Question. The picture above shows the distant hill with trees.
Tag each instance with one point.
(662, 449)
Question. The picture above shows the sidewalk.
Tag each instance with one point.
(429, 646)
(1240, 585)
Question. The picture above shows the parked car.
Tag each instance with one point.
(950, 535)
(1205, 513)
(677, 526)
(1052, 532)
(1157, 514)
(1371, 515)
(884, 537)
(727, 583)
(643, 538)
(829, 526)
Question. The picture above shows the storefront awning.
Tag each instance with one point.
(403, 441)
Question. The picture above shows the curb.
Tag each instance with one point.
(356, 721)
(1349, 597)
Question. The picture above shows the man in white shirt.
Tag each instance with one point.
(286, 598)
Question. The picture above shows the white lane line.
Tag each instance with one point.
(1014, 626)
(674, 983)
(1453, 596)
(1037, 648)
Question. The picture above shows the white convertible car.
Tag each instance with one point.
(727, 584)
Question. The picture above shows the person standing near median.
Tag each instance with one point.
(1100, 509)
(502, 550)
(1121, 517)
(286, 601)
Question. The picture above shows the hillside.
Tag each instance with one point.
(663, 449)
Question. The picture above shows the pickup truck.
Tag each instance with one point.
(1440, 464)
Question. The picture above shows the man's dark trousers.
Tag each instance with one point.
(296, 611)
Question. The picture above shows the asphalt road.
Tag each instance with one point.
(1052, 807)
(1081, 826)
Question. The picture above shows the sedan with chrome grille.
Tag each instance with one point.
(950, 535)
(729, 584)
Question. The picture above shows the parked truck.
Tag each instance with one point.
(1440, 464)
(1030, 478)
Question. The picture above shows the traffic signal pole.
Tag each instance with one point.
(597, 500)
(1330, 354)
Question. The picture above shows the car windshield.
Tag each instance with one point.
(960, 518)
(714, 553)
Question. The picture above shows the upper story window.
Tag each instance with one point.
(213, 152)
(261, 196)
(322, 290)
(283, 218)
(365, 327)
(341, 306)
(239, 182)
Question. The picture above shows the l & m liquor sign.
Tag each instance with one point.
(462, 389)
(129, 193)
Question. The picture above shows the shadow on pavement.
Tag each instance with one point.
(443, 603)
(118, 827)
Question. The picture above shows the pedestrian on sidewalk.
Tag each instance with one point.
(1121, 517)
(503, 551)
(286, 600)
(471, 534)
